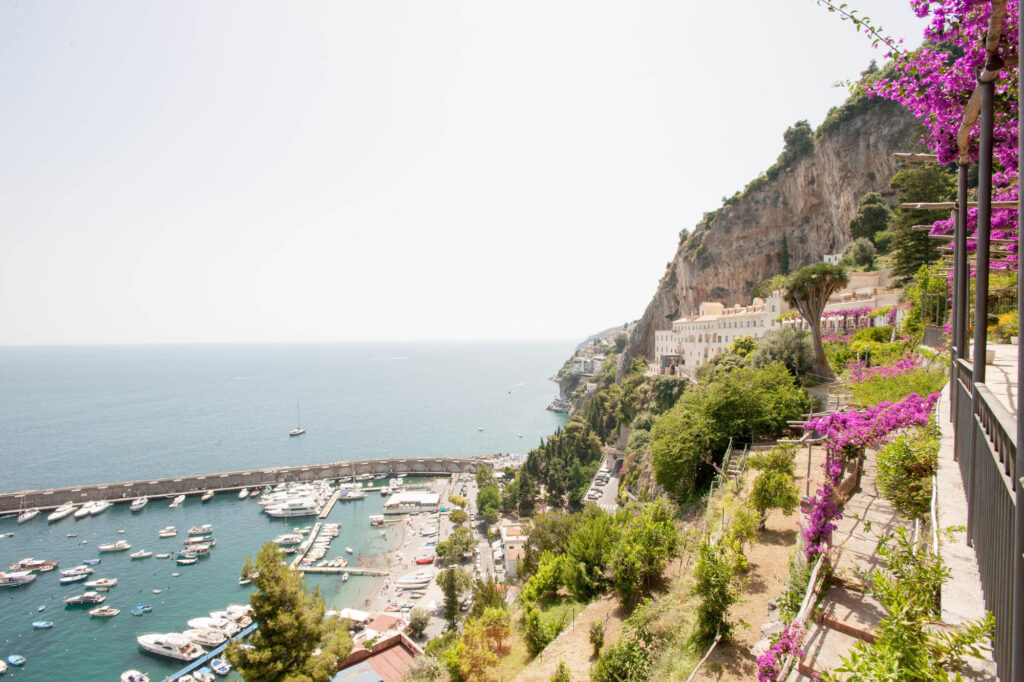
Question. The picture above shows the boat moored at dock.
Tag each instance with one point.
(138, 503)
(63, 511)
(172, 644)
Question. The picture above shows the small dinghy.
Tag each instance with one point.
(42, 624)
(134, 676)
(16, 660)
(220, 666)
(104, 612)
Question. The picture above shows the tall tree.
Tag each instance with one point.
(872, 216)
(809, 289)
(453, 582)
(913, 248)
(292, 627)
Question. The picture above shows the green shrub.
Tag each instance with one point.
(597, 636)
(562, 672)
(629, 659)
(905, 468)
(717, 588)
(539, 630)
(892, 389)
(787, 345)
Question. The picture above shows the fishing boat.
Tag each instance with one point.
(30, 564)
(298, 430)
(16, 660)
(119, 546)
(104, 612)
(173, 645)
(207, 496)
(243, 493)
(61, 512)
(167, 532)
(141, 554)
(220, 666)
(90, 562)
(200, 540)
(42, 624)
(186, 559)
(102, 582)
(176, 502)
(85, 598)
(138, 503)
(134, 676)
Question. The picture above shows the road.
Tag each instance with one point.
(610, 491)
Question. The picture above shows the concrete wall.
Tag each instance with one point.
(169, 487)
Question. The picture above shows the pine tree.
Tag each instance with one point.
(930, 182)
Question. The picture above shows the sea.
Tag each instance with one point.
(97, 414)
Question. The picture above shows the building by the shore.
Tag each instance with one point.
(412, 501)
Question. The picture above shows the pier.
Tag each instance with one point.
(354, 570)
(210, 655)
(304, 547)
(126, 491)
(330, 504)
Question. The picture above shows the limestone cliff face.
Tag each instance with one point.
(805, 210)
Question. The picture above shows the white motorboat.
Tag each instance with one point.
(207, 496)
(102, 582)
(344, 577)
(84, 510)
(27, 515)
(16, 578)
(298, 430)
(288, 539)
(74, 578)
(100, 507)
(243, 493)
(119, 546)
(133, 676)
(172, 644)
(61, 512)
(223, 624)
(176, 502)
(141, 554)
(138, 503)
(85, 598)
(204, 529)
(236, 615)
(293, 508)
(104, 612)
(348, 549)
(81, 569)
(206, 636)
(167, 532)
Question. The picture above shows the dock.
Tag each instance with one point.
(212, 654)
(354, 570)
(330, 504)
(304, 547)
(233, 481)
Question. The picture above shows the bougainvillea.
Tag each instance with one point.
(859, 372)
(770, 662)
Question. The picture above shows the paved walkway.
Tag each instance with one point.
(1001, 376)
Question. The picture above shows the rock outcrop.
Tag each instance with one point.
(799, 216)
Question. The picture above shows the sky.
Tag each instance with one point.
(383, 169)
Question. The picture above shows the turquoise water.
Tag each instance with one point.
(85, 415)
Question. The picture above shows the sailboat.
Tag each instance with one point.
(298, 430)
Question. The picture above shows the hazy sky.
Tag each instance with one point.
(246, 171)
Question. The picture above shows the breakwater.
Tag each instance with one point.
(125, 491)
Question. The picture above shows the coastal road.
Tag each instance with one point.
(610, 491)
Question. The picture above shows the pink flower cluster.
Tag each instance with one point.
(847, 434)
(859, 372)
(770, 662)
(850, 312)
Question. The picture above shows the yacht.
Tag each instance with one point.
(206, 636)
(30, 564)
(100, 507)
(119, 546)
(204, 529)
(16, 578)
(104, 612)
(384, 492)
(138, 503)
(173, 645)
(300, 507)
(85, 598)
(141, 554)
(298, 430)
(76, 570)
(228, 627)
(27, 515)
(237, 615)
(284, 539)
(84, 510)
(167, 532)
(243, 493)
(61, 512)
(207, 496)
(176, 502)
(102, 582)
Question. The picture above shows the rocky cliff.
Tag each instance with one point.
(798, 216)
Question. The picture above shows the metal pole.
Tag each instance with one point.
(961, 296)
(1017, 649)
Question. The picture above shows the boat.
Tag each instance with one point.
(200, 549)
(172, 644)
(104, 612)
(298, 430)
(287, 539)
(167, 532)
(176, 502)
(137, 611)
(200, 540)
(186, 560)
(344, 577)
(236, 614)
(90, 562)
(292, 508)
(30, 564)
(376, 519)
(163, 556)
(134, 676)
(84, 510)
(72, 535)
(27, 515)
(3, 667)
(145, 608)
(76, 570)
(16, 660)
(244, 581)
(204, 674)
(74, 578)
(425, 560)
(119, 546)
(42, 624)
(100, 507)
(207, 496)
(225, 625)
(243, 493)
(138, 503)
(220, 666)
(348, 549)
(85, 598)
(16, 578)
(204, 529)
(206, 636)
(141, 554)
(102, 582)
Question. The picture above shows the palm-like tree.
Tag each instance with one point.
(808, 290)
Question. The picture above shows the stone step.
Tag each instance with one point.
(824, 649)
(851, 612)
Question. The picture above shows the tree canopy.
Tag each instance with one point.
(808, 291)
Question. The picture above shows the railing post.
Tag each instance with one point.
(1017, 651)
